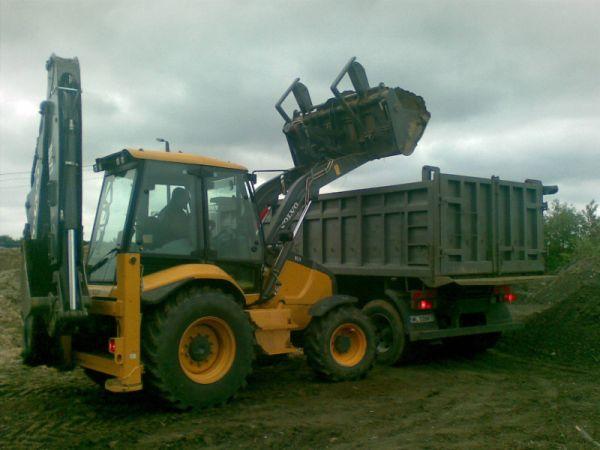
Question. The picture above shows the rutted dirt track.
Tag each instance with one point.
(496, 400)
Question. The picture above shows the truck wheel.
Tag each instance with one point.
(197, 348)
(340, 345)
(393, 346)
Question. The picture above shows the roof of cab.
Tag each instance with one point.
(183, 158)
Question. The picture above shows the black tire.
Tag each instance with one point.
(474, 344)
(163, 330)
(37, 345)
(393, 344)
(319, 340)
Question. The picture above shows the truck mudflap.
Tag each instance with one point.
(425, 335)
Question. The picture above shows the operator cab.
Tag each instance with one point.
(174, 209)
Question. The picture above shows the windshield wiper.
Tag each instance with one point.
(103, 260)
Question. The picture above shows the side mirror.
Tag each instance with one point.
(286, 236)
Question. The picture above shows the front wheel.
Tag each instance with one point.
(340, 345)
(197, 348)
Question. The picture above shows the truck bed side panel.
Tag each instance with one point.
(444, 226)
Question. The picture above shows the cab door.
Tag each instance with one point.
(167, 228)
(234, 239)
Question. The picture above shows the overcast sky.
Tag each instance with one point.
(513, 87)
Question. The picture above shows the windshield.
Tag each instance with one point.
(108, 227)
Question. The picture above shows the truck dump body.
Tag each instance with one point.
(443, 228)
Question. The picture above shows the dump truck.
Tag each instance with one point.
(433, 261)
(182, 285)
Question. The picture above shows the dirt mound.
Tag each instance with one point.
(10, 258)
(10, 320)
(10, 284)
(569, 330)
(568, 282)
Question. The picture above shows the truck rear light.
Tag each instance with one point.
(423, 304)
(505, 294)
(423, 300)
(112, 345)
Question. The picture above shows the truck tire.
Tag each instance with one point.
(340, 345)
(393, 345)
(197, 348)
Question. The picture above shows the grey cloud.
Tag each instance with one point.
(497, 77)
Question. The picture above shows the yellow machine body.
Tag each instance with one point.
(301, 287)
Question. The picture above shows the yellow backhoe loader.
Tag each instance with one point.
(182, 286)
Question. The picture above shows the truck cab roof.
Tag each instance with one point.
(127, 154)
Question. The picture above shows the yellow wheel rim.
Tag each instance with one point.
(348, 345)
(207, 350)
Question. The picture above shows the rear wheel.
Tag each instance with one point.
(197, 348)
(340, 345)
(37, 345)
(393, 345)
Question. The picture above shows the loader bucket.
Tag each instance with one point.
(374, 121)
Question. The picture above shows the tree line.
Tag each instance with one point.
(570, 233)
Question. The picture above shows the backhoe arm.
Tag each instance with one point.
(54, 281)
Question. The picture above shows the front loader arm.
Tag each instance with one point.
(297, 203)
(328, 141)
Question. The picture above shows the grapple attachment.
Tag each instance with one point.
(372, 121)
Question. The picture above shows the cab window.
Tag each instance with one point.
(233, 229)
(166, 220)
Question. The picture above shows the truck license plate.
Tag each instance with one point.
(422, 318)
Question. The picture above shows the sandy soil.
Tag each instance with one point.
(501, 399)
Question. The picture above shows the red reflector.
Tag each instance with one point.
(423, 304)
(112, 345)
(510, 297)
(423, 299)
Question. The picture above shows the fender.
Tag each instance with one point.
(326, 304)
(401, 306)
(159, 285)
